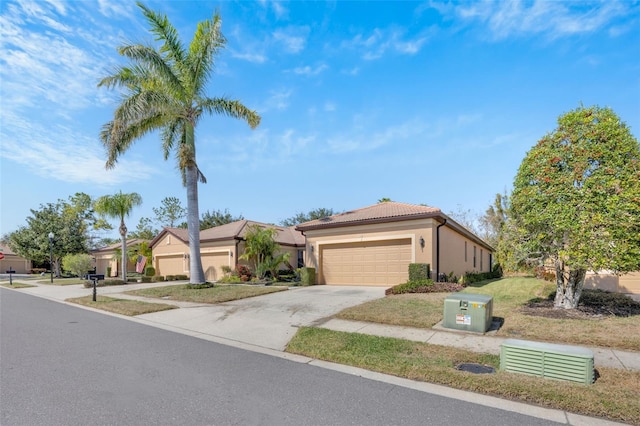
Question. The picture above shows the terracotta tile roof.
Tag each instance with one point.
(117, 245)
(236, 230)
(381, 212)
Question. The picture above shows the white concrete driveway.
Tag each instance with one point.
(268, 321)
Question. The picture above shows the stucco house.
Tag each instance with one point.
(12, 261)
(374, 245)
(219, 246)
(108, 259)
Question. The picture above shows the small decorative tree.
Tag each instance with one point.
(263, 251)
(77, 264)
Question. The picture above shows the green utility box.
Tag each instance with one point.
(470, 312)
(549, 360)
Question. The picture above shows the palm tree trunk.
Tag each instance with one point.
(123, 261)
(196, 273)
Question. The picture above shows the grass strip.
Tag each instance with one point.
(613, 396)
(16, 285)
(510, 295)
(121, 306)
(216, 294)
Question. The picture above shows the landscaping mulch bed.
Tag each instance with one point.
(594, 304)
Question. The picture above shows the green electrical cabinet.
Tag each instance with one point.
(469, 312)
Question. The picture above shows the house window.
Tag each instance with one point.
(300, 258)
(474, 256)
(480, 260)
(465, 252)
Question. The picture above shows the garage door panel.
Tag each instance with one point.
(212, 265)
(368, 263)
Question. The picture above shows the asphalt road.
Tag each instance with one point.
(62, 365)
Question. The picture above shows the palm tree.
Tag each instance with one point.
(118, 206)
(164, 89)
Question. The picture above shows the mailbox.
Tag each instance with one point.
(469, 312)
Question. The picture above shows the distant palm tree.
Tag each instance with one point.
(165, 90)
(118, 206)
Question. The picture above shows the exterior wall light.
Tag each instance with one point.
(421, 242)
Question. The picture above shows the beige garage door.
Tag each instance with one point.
(171, 265)
(383, 263)
(212, 263)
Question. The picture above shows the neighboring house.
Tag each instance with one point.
(110, 257)
(219, 246)
(603, 280)
(12, 261)
(374, 245)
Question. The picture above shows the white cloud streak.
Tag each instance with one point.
(553, 19)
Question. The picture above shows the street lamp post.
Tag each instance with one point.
(51, 254)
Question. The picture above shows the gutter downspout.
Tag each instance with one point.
(438, 249)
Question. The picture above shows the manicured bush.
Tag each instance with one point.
(145, 279)
(132, 280)
(424, 286)
(158, 278)
(307, 276)
(108, 271)
(230, 279)
(170, 277)
(181, 277)
(150, 271)
(419, 271)
(243, 272)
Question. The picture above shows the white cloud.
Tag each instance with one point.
(554, 19)
(383, 41)
(257, 58)
(292, 38)
(62, 154)
(277, 100)
(329, 106)
(309, 71)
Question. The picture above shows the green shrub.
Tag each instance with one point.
(419, 271)
(145, 279)
(158, 278)
(150, 271)
(230, 279)
(307, 276)
(181, 277)
(108, 271)
(199, 286)
(226, 270)
(170, 277)
(409, 287)
(132, 280)
(104, 283)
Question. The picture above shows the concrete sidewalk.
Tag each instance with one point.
(470, 341)
(270, 321)
(266, 323)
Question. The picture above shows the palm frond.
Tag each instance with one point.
(206, 43)
(231, 108)
(166, 33)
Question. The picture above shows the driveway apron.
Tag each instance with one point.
(268, 321)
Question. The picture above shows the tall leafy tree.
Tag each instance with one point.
(576, 199)
(32, 241)
(301, 217)
(170, 212)
(217, 218)
(119, 206)
(164, 89)
(144, 229)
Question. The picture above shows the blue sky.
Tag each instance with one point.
(420, 102)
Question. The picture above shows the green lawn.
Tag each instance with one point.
(121, 306)
(614, 395)
(216, 294)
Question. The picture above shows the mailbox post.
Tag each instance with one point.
(95, 278)
(11, 272)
